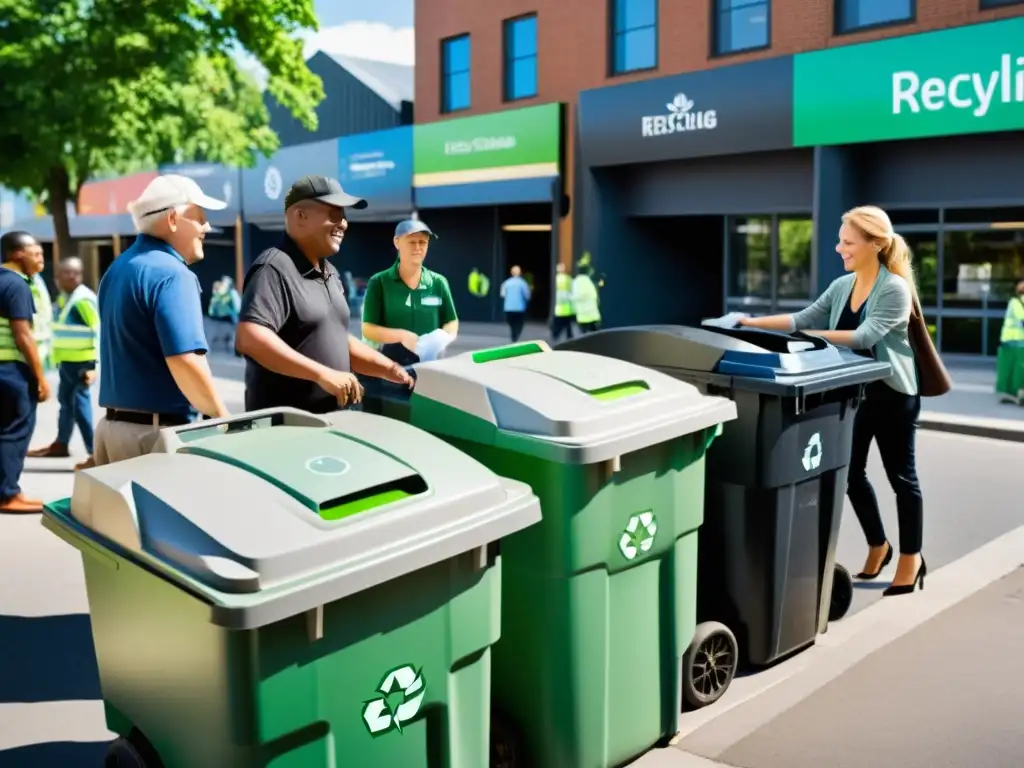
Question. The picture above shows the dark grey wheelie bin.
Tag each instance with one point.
(767, 580)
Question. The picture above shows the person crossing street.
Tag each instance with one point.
(75, 352)
(22, 380)
(565, 313)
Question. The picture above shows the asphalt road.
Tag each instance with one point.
(49, 697)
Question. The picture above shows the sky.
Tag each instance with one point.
(370, 29)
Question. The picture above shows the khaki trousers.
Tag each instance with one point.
(120, 440)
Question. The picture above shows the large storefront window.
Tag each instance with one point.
(750, 257)
(769, 260)
(981, 268)
(795, 236)
(925, 249)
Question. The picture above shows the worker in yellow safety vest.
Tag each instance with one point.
(22, 380)
(565, 313)
(584, 297)
(1010, 360)
(75, 351)
(42, 325)
(479, 284)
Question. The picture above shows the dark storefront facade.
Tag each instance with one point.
(936, 137)
(728, 185)
(491, 187)
(692, 197)
(376, 166)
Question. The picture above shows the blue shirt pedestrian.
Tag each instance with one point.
(516, 293)
(150, 309)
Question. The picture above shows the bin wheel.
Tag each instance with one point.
(135, 751)
(122, 754)
(842, 593)
(507, 750)
(709, 664)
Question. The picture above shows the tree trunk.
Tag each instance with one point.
(59, 188)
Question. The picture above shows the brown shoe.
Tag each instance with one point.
(52, 451)
(19, 505)
(87, 464)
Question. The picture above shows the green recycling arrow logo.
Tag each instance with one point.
(812, 453)
(639, 535)
(403, 690)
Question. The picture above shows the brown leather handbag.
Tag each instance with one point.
(932, 377)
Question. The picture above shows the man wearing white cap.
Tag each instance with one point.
(152, 340)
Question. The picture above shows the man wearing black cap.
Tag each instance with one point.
(293, 325)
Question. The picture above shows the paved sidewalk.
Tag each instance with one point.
(947, 694)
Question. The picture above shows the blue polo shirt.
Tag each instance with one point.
(150, 309)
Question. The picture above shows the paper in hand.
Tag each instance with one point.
(431, 346)
(730, 320)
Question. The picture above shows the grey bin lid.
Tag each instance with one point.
(751, 359)
(239, 513)
(566, 401)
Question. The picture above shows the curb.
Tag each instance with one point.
(993, 429)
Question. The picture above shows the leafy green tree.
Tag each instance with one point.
(112, 86)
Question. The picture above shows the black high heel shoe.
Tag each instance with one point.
(906, 589)
(865, 576)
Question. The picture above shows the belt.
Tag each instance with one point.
(149, 419)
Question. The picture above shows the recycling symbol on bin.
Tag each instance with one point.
(402, 692)
(639, 535)
(812, 453)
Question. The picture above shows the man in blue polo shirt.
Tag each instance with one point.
(152, 340)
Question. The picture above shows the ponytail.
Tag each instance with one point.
(897, 258)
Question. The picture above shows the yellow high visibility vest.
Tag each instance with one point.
(585, 300)
(9, 351)
(563, 295)
(1013, 323)
(72, 342)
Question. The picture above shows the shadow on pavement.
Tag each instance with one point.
(58, 754)
(47, 658)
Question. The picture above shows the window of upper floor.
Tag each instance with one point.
(741, 25)
(634, 35)
(987, 4)
(455, 90)
(855, 15)
(521, 58)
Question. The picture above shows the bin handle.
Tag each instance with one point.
(817, 341)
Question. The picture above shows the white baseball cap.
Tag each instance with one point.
(170, 191)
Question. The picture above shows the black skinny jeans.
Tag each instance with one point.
(889, 418)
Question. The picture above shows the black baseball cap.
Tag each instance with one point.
(324, 190)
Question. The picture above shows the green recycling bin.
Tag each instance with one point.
(598, 601)
(287, 590)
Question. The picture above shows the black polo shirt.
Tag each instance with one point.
(306, 307)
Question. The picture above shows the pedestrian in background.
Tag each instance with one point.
(75, 351)
(565, 313)
(22, 380)
(152, 338)
(225, 304)
(1010, 357)
(868, 311)
(585, 300)
(294, 323)
(515, 292)
(408, 300)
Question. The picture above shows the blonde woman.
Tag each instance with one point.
(868, 311)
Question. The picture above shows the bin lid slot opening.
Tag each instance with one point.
(509, 351)
(372, 498)
(619, 391)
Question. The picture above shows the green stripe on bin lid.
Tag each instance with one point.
(349, 508)
(619, 391)
(509, 351)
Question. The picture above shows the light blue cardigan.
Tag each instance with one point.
(883, 326)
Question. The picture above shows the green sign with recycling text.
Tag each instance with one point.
(499, 146)
(964, 80)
